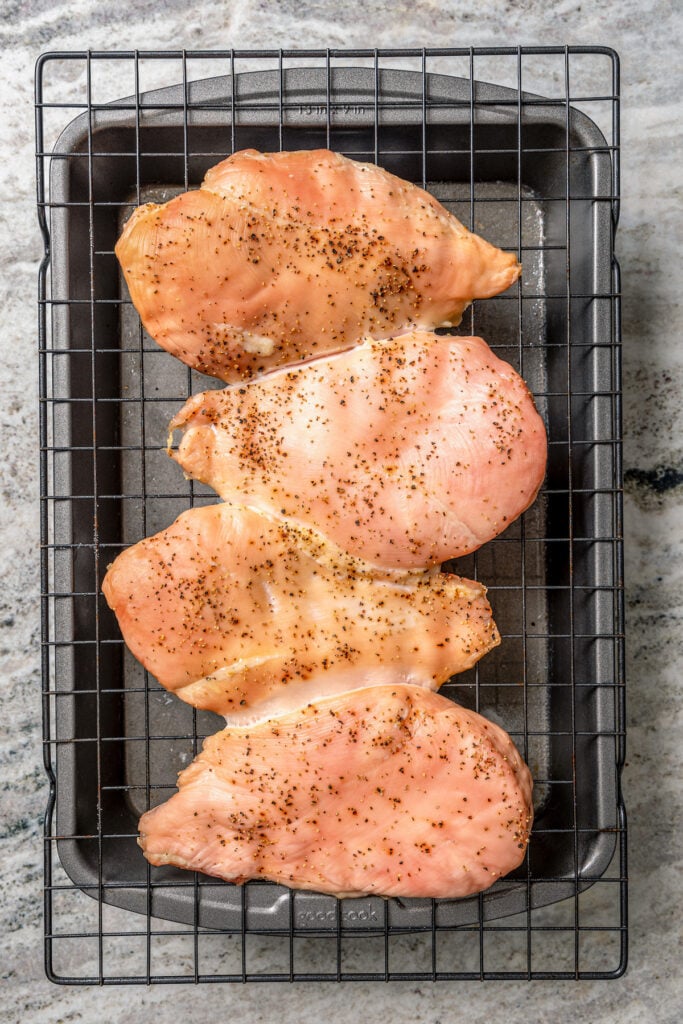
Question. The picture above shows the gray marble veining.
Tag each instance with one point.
(649, 241)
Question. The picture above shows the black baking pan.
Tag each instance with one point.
(531, 175)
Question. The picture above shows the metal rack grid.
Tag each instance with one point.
(555, 578)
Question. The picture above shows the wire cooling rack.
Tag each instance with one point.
(521, 143)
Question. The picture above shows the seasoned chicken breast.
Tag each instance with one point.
(392, 790)
(242, 615)
(404, 452)
(281, 256)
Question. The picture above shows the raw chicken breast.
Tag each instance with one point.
(281, 256)
(245, 616)
(404, 452)
(391, 790)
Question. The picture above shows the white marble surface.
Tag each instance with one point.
(650, 235)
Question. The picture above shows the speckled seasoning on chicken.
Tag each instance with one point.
(278, 257)
(404, 452)
(245, 616)
(392, 790)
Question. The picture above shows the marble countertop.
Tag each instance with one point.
(650, 236)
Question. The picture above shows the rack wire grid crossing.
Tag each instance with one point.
(521, 143)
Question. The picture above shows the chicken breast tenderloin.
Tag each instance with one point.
(404, 452)
(392, 790)
(281, 256)
(245, 616)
